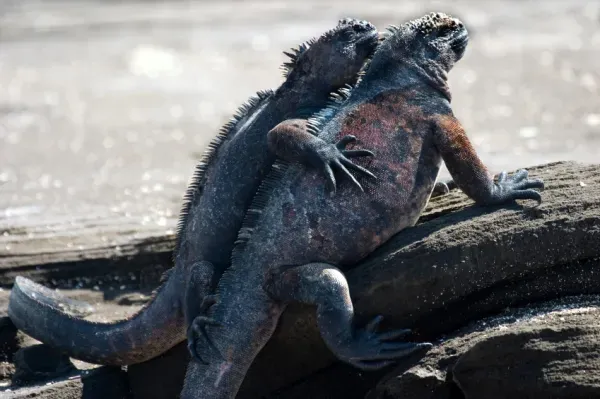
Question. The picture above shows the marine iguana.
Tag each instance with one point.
(297, 235)
(222, 188)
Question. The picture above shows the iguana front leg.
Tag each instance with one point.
(469, 173)
(291, 140)
(326, 287)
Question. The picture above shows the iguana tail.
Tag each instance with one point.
(40, 312)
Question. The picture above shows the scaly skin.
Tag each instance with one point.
(297, 234)
(232, 171)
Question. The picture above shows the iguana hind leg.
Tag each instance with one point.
(198, 328)
(326, 287)
(197, 300)
(291, 140)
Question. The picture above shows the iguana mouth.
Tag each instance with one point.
(461, 40)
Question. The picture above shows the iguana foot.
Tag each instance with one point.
(517, 186)
(369, 350)
(292, 141)
(198, 328)
(325, 286)
(337, 156)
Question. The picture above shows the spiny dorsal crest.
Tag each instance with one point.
(252, 217)
(294, 55)
(336, 101)
(196, 184)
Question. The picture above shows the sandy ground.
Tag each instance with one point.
(107, 105)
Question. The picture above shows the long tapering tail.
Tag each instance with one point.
(38, 311)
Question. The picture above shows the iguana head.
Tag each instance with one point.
(333, 60)
(436, 38)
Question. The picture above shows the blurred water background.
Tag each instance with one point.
(109, 104)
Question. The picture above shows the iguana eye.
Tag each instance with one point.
(348, 35)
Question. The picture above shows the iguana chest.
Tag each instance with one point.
(310, 224)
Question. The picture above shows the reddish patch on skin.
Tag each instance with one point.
(456, 147)
(460, 157)
(392, 126)
(375, 122)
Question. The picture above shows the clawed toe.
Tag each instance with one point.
(386, 354)
(527, 194)
(517, 187)
(344, 141)
(340, 160)
(192, 346)
(370, 350)
(198, 328)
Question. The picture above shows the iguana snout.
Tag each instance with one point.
(434, 41)
(446, 35)
(338, 54)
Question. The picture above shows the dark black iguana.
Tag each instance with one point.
(222, 188)
(297, 234)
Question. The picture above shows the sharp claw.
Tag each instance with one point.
(344, 141)
(357, 168)
(348, 174)
(386, 336)
(198, 326)
(195, 355)
(527, 194)
(396, 347)
(374, 324)
(330, 178)
(192, 346)
(534, 183)
(357, 153)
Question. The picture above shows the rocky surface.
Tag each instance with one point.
(551, 350)
(459, 264)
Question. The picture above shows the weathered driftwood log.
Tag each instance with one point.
(459, 263)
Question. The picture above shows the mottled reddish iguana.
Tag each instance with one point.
(215, 204)
(296, 234)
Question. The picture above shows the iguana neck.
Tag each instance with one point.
(409, 73)
(299, 102)
(435, 75)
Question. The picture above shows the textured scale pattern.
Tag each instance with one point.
(198, 180)
(233, 167)
(298, 233)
